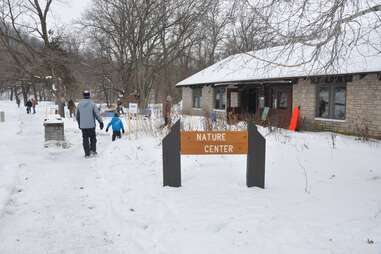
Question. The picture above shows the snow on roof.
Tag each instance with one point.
(287, 62)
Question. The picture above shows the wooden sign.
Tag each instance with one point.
(202, 143)
(251, 143)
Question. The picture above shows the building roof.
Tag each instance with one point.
(287, 62)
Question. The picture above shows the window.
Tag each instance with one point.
(283, 100)
(196, 97)
(219, 98)
(331, 101)
(277, 98)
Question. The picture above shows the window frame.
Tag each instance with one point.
(221, 102)
(194, 96)
(331, 100)
(279, 97)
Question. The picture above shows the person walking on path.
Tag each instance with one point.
(117, 127)
(119, 106)
(167, 111)
(86, 114)
(71, 106)
(18, 102)
(34, 103)
(28, 105)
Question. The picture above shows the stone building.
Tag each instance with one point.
(343, 97)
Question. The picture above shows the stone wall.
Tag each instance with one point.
(207, 98)
(187, 100)
(363, 109)
(207, 102)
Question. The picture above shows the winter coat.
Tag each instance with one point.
(86, 114)
(71, 105)
(116, 123)
(167, 109)
(29, 104)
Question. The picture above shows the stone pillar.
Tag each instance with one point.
(54, 129)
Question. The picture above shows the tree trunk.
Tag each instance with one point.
(40, 94)
(44, 94)
(25, 90)
(61, 98)
(35, 92)
(16, 96)
(61, 107)
(11, 96)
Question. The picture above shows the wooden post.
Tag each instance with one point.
(136, 126)
(172, 157)
(256, 158)
(129, 125)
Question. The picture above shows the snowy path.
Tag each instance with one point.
(55, 201)
(48, 208)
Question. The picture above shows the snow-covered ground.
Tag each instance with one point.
(319, 198)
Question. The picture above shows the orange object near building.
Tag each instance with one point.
(294, 119)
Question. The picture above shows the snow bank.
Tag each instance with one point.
(321, 196)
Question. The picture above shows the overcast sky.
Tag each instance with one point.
(65, 11)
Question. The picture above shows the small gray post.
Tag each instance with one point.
(172, 157)
(256, 158)
(54, 129)
(2, 116)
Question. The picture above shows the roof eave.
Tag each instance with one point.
(270, 79)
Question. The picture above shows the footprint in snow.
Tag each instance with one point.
(21, 165)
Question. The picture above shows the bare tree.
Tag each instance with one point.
(34, 50)
(143, 37)
(327, 28)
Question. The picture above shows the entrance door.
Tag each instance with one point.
(249, 101)
(252, 103)
(281, 106)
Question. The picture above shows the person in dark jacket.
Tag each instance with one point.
(34, 103)
(86, 114)
(117, 127)
(18, 101)
(119, 106)
(28, 105)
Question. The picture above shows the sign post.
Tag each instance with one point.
(256, 158)
(133, 108)
(249, 142)
(171, 157)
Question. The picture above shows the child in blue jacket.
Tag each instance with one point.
(117, 126)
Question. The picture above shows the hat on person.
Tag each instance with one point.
(169, 98)
(86, 94)
(116, 114)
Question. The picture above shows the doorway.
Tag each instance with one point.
(249, 101)
(279, 100)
